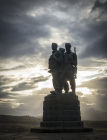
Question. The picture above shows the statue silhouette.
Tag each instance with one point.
(63, 67)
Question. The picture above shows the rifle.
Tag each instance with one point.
(75, 68)
(75, 50)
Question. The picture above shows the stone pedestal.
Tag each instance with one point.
(61, 111)
(61, 114)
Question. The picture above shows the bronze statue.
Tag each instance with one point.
(63, 81)
(70, 66)
(63, 67)
(55, 62)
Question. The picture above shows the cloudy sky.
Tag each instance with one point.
(27, 29)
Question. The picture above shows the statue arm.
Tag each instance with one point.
(51, 63)
(49, 60)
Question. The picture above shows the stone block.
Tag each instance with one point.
(61, 124)
(61, 110)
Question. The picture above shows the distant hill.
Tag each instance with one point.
(19, 119)
(12, 124)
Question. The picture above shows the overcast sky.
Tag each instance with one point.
(27, 29)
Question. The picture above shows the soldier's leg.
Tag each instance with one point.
(56, 83)
(54, 80)
(60, 82)
(66, 87)
(72, 83)
(75, 72)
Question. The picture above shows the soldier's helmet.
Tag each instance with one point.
(68, 46)
(62, 50)
(54, 46)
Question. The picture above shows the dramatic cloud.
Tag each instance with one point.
(18, 29)
(27, 29)
(98, 42)
(23, 105)
(95, 103)
(100, 6)
(30, 84)
(98, 83)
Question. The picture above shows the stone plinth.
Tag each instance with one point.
(61, 111)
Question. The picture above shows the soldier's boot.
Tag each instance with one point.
(55, 85)
(57, 91)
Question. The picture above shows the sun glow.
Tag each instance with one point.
(57, 35)
(45, 84)
(24, 92)
(84, 91)
(30, 72)
(83, 76)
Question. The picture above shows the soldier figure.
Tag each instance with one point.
(63, 81)
(63, 67)
(70, 66)
(55, 62)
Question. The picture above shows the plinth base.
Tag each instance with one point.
(61, 130)
(62, 124)
(61, 113)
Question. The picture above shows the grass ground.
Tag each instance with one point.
(18, 128)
